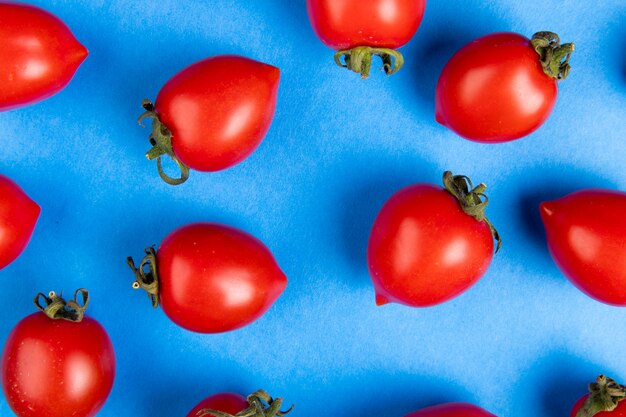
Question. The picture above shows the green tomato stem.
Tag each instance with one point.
(146, 276)
(604, 395)
(359, 59)
(554, 57)
(57, 308)
(260, 404)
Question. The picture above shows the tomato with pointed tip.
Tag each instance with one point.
(18, 216)
(429, 243)
(451, 410)
(212, 114)
(502, 86)
(362, 28)
(38, 55)
(226, 401)
(57, 367)
(211, 278)
(586, 236)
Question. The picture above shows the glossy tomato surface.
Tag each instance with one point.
(451, 410)
(214, 278)
(586, 234)
(424, 250)
(38, 55)
(57, 368)
(226, 401)
(18, 216)
(343, 24)
(218, 110)
(494, 90)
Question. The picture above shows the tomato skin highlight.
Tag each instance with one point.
(18, 216)
(451, 410)
(56, 368)
(424, 249)
(226, 401)
(586, 236)
(39, 55)
(344, 24)
(494, 90)
(215, 278)
(218, 110)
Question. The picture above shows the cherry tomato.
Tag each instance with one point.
(502, 86)
(586, 234)
(451, 410)
(359, 29)
(604, 399)
(213, 114)
(57, 367)
(227, 402)
(211, 278)
(429, 244)
(234, 405)
(38, 57)
(18, 216)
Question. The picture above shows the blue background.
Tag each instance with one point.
(522, 342)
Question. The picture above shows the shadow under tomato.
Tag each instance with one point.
(553, 384)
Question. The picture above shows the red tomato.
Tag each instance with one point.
(211, 278)
(425, 248)
(213, 114)
(451, 410)
(501, 87)
(383, 25)
(18, 216)
(38, 57)
(57, 368)
(586, 234)
(227, 402)
(606, 400)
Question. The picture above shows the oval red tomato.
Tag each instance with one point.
(211, 278)
(57, 368)
(38, 57)
(451, 410)
(227, 402)
(213, 114)
(586, 234)
(605, 398)
(18, 216)
(425, 248)
(360, 28)
(501, 87)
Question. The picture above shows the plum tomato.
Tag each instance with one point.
(58, 362)
(429, 244)
(502, 86)
(451, 410)
(586, 235)
(210, 278)
(18, 216)
(258, 404)
(38, 55)
(359, 29)
(604, 399)
(212, 114)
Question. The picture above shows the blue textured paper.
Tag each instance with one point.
(522, 342)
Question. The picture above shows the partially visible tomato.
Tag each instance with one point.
(429, 244)
(38, 55)
(451, 410)
(18, 216)
(586, 234)
(211, 278)
(358, 29)
(58, 367)
(605, 398)
(227, 402)
(259, 403)
(502, 86)
(212, 114)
